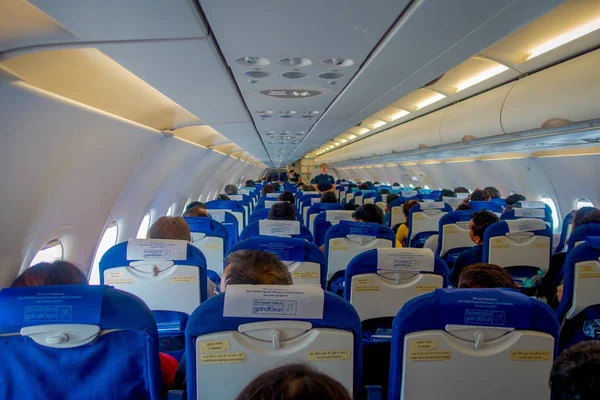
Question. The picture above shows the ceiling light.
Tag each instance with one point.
(352, 136)
(481, 77)
(565, 38)
(343, 140)
(336, 144)
(362, 130)
(378, 124)
(399, 115)
(431, 100)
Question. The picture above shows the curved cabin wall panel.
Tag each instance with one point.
(423, 131)
(567, 91)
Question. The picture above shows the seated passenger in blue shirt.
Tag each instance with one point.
(479, 223)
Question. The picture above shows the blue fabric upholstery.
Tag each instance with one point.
(123, 364)
(583, 326)
(211, 228)
(171, 332)
(317, 208)
(208, 318)
(581, 232)
(304, 251)
(487, 205)
(500, 202)
(253, 229)
(231, 225)
(433, 311)
(564, 231)
(263, 213)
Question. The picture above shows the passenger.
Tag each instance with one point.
(267, 189)
(198, 211)
(282, 212)
(484, 275)
(287, 196)
(493, 192)
(364, 186)
(461, 189)
(323, 182)
(402, 233)
(395, 184)
(276, 186)
(368, 213)
(254, 267)
(230, 189)
(293, 382)
(301, 187)
(222, 196)
(480, 195)
(350, 207)
(575, 373)
(329, 197)
(195, 204)
(376, 183)
(249, 183)
(446, 193)
(384, 191)
(293, 176)
(514, 199)
(464, 206)
(309, 188)
(479, 223)
(49, 274)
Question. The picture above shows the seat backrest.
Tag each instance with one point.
(453, 202)
(306, 203)
(523, 244)
(171, 332)
(245, 332)
(210, 237)
(493, 344)
(454, 235)
(325, 220)
(263, 213)
(500, 202)
(378, 282)
(372, 197)
(397, 210)
(305, 261)
(305, 196)
(487, 205)
(359, 196)
(264, 227)
(581, 278)
(232, 206)
(317, 208)
(566, 230)
(244, 200)
(52, 337)
(229, 222)
(534, 204)
(424, 221)
(579, 234)
(347, 239)
(166, 274)
(517, 213)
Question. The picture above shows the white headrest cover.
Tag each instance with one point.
(156, 249)
(405, 260)
(525, 225)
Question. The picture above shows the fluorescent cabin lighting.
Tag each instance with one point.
(352, 137)
(565, 38)
(363, 130)
(399, 115)
(435, 98)
(485, 75)
(343, 140)
(378, 124)
(336, 144)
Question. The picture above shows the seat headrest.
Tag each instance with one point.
(529, 212)
(278, 227)
(409, 193)
(593, 242)
(338, 215)
(432, 205)
(525, 225)
(457, 216)
(532, 204)
(156, 249)
(358, 228)
(286, 249)
(271, 195)
(406, 260)
(270, 203)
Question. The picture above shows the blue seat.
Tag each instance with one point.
(581, 232)
(263, 213)
(245, 201)
(163, 280)
(534, 204)
(254, 230)
(325, 220)
(171, 332)
(427, 196)
(331, 343)
(454, 237)
(522, 246)
(211, 238)
(396, 209)
(500, 202)
(229, 222)
(372, 198)
(487, 205)
(316, 209)
(424, 221)
(359, 196)
(472, 344)
(349, 195)
(306, 202)
(305, 261)
(581, 274)
(77, 342)
(232, 206)
(567, 228)
(379, 188)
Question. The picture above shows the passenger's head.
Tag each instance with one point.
(464, 207)
(195, 204)
(254, 267)
(324, 168)
(301, 187)
(308, 188)
(294, 382)
(461, 189)
(395, 184)
(364, 186)
(447, 193)
(479, 223)
(196, 212)
(407, 206)
(582, 214)
(593, 216)
(350, 207)
(222, 196)
(170, 228)
(388, 200)
(493, 192)
(286, 196)
(249, 183)
(480, 195)
(328, 197)
(368, 213)
(384, 191)
(575, 373)
(230, 189)
(514, 199)
(267, 189)
(483, 275)
(49, 274)
(282, 212)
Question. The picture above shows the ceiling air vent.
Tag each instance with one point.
(295, 62)
(256, 74)
(337, 62)
(290, 93)
(331, 75)
(293, 75)
(252, 61)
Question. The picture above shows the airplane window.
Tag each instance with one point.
(411, 186)
(187, 203)
(555, 217)
(52, 251)
(426, 187)
(109, 239)
(169, 211)
(583, 203)
(144, 226)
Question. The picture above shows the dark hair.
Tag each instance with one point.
(309, 188)
(481, 220)
(301, 184)
(47, 274)
(480, 195)
(574, 374)
(507, 209)
(325, 164)
(376, 183)
(408, 205)
(384, 191)
(395, 184)
(230, 189)
(461, 189)
(197, 211)
(291, 170)
(255, 267)
(170, 228)
(267, 189)
(250, 183)
(369, 213)
(293, 382)
(493, 192)
(447, 193)
(195, 204)
(286, 196)
(282, 212)
(585, 214)
(222, 196)
(391, 197)
(328, 197)
(364, 186)
(350, 206)
(484, 275)
(276, 186)
(464, 207)
(514, 199)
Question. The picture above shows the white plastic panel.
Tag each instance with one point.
(343, 249)
(455, 236)
(305, 273)
(585, 291)
(533, 252)
(213, 250)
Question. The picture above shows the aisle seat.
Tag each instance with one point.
(454, 236)
(210, 237)
(325, 220)
(424, 221)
